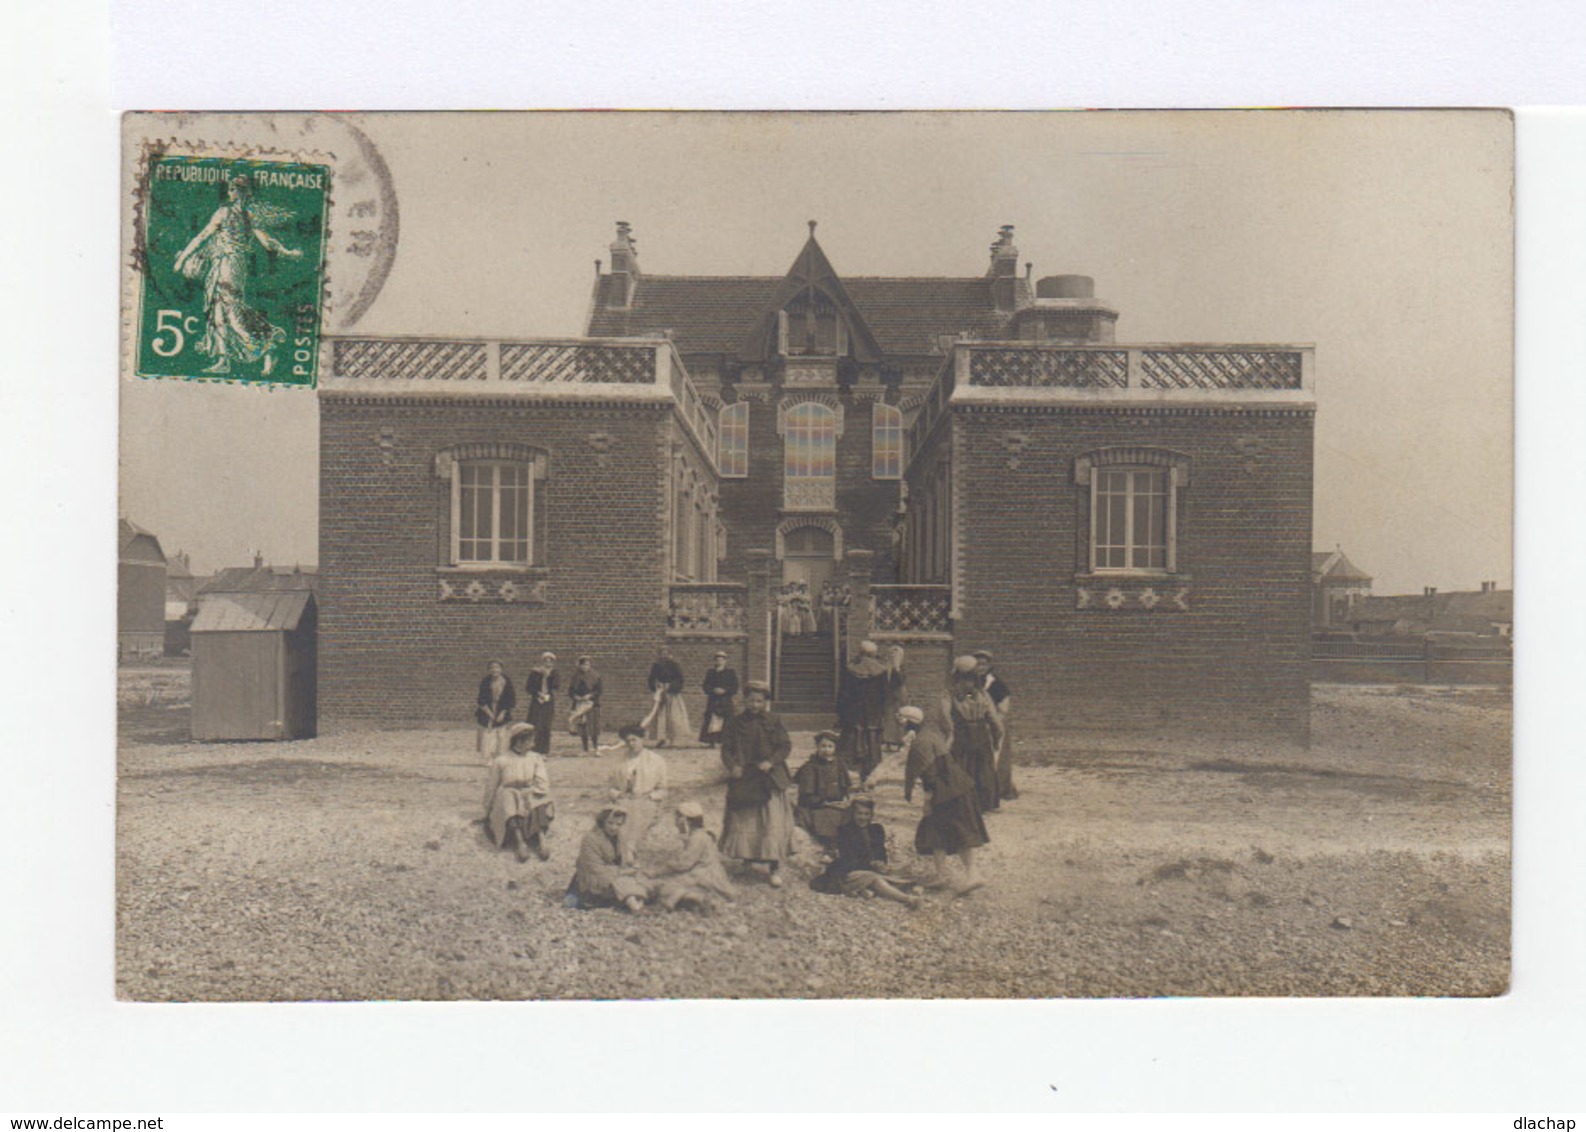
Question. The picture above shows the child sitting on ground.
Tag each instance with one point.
(824, 785)
(861, 859)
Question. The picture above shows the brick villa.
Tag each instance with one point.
(782, 466)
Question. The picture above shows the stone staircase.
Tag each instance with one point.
(806, 691)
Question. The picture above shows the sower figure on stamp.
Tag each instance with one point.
(754, 749)
(493, 709)
(233, 330)
(721, 685)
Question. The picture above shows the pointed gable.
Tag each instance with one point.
(812, 275)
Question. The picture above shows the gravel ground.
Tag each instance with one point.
(352, 866)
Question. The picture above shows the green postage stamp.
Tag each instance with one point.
(233, 256)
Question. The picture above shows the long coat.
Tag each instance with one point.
(540, 688)
(720, 687)
(759, 820)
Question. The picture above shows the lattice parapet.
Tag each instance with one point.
(407, 360)
(712, 609)
(911, 609)
(563, 362)
(1220, 369)
(1050, 369)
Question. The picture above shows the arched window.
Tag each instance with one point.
(1133, 508)
(810, 460)
(732, 448)
(493, 504)
(886, 442)
(811, 324)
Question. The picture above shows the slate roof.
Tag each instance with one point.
(251, 612)
(134, 544)
(259, 579)
(1333, 566)
(1459, 611)
(716, 314)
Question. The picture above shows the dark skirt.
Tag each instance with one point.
(950, 827)
(976, 752)
(542, 716)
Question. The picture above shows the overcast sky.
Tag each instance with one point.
(1385, 238)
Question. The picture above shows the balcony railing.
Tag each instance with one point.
(911, 609)
(708, 609)
(538, 367)
(1035, 366)
(982, 371)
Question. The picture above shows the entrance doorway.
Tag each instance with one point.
(809, 630)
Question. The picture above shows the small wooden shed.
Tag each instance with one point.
(254, 659)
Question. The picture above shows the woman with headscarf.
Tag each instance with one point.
(493, 710)
(951, 822)
(696, 877)
(518, 799)
(976, 731)
(1002, 699)
(600, 879)
(755, 746)
(540, 687)
(585, 690)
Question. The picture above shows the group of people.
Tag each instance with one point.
(956, 752)
(665, 725)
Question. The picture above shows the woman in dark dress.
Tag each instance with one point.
(721, 685)
(952, 821)
(976, 732)
(585, 690)
(758, 827)
(493, 710)
(540, 688)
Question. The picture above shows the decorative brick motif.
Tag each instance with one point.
(711, 609)
(492, 588)
(911, 609)
(1131, 596)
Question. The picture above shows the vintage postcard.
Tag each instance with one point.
(801, 555)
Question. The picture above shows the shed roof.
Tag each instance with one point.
(251, 612)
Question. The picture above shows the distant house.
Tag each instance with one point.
(254, 643)
(181, 603)
(140, 593)
(1335, 582)
(1488, 612)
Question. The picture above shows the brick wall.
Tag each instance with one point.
(751, 507)
(390, 650)
(1235, 661)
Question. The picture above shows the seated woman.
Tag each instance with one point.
(518, 800)
(638, 785)
(600, 879)
(823, 785)
(861, 859)
(697, 877)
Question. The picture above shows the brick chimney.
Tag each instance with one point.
(624, 267)
(1004, 271)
